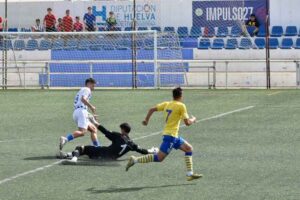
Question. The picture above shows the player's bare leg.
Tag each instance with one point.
(188, 149)
(79, 133)
(93, 130)
(159, 157)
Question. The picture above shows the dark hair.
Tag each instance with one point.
(177, 93)
(67, 10)
(90, 80)
(126, 127)
(89, 8)
(252, 15)
(37, 20)
(49, 9)
(77, 17)
(111, 12)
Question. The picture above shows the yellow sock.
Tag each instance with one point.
(146, 159)
(189, 164)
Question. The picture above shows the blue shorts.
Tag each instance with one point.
(170, 143)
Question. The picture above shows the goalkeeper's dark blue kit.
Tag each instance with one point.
(121, 144)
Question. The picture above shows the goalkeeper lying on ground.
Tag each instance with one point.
(121, 144)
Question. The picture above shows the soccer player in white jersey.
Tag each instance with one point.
(80, 115)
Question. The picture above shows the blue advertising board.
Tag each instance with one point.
(227, 13)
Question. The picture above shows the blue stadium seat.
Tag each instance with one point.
(195, 32)
(218, 44)
(31, 45)
(84, 44)
(204, 43)
(142, 28)
(222, 31)
(12, 30)
(297, 46)
(101, 29)
(250, 30)
(169, 29)
(260, 43)
(58, 44)
(118, 29)
(273, 43)
(209, 32)
(71, 44)
(25, 30)
(189, 42)
(287, 43)
(128, 29)
(231, 43)
(291, 31)
(262, 32)
(183, 32)
(236, 31)
(19, 45)
(45, 45)
(156, 28)
(6, 44)
(245, 43)
(277, 31)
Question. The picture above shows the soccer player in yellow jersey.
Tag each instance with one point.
(174, 112)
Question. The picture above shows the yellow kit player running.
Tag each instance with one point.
(174, 111)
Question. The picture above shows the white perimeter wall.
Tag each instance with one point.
(173, 12)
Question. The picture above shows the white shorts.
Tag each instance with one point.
(80, 116)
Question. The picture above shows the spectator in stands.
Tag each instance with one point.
(60, 26)
(111, 22)
(49, 21)
(1, 26)
(77, 27)
(67, 22)
(89, 20)
(254, 23)
(38, 27)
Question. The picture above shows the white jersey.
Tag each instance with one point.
(83, 92)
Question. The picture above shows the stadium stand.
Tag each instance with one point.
(236, 31)
(218, 44)
(274, 44)
(287, 43)
(170, 29)
(183, 32)
(204, 43)
(277, 31)
(31, 45)
(19, 45)
(291, 31)
(195, 32)
(156, 28)
(245, 43)
(297, 46)
(222, 31)
(232, 43)
(45, 45)
(209, 32)
(260, 43)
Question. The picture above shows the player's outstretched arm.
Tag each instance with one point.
(190, 121)
(88, 104)
(150, 112)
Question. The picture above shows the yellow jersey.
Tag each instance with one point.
(174, 112)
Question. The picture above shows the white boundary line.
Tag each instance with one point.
(138, 138)
(274, 93)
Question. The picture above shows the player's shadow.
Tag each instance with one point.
(101, 163)
(133, 189)
(41, 158)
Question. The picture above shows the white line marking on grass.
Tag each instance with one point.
(202, 120)
(138, 138)
(274, 93)
(29, 172)
(18, 140)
